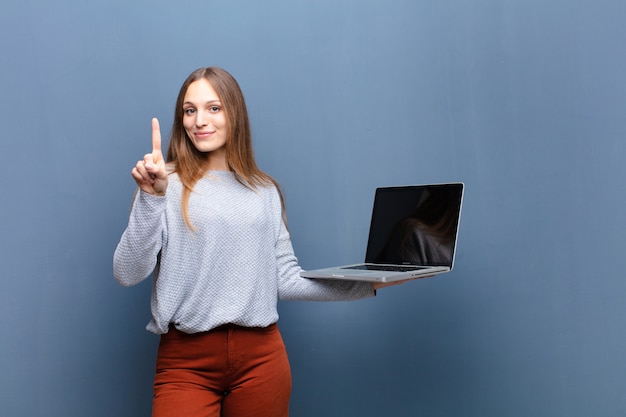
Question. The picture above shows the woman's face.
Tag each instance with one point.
(204, 118)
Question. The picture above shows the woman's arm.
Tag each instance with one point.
(136, 254)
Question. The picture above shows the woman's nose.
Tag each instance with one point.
(202, 118)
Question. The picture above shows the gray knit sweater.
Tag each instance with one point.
(232, 268)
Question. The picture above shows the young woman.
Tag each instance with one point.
(211, 226)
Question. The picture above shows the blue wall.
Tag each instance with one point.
(523, 100)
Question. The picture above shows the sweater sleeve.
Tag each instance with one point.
(137, 252)
(291, 286)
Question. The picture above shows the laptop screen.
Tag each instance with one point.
(415, 225)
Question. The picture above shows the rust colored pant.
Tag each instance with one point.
(230, 371)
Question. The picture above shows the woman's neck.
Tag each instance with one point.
(217, 161)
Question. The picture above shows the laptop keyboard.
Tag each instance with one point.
(393, 268)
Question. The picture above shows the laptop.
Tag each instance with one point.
(413, 233)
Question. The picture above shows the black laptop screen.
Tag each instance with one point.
(415, 225)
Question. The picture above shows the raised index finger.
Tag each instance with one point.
(157, 155)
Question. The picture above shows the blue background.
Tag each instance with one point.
(523, 100)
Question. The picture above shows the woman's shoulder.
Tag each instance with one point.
(172, 176)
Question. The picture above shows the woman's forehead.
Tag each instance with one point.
(200, 91)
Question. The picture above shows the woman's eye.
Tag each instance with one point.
(214, 109)
(189, 111)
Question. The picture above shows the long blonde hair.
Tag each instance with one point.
(191, 164)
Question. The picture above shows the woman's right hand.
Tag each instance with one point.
(149, 173)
